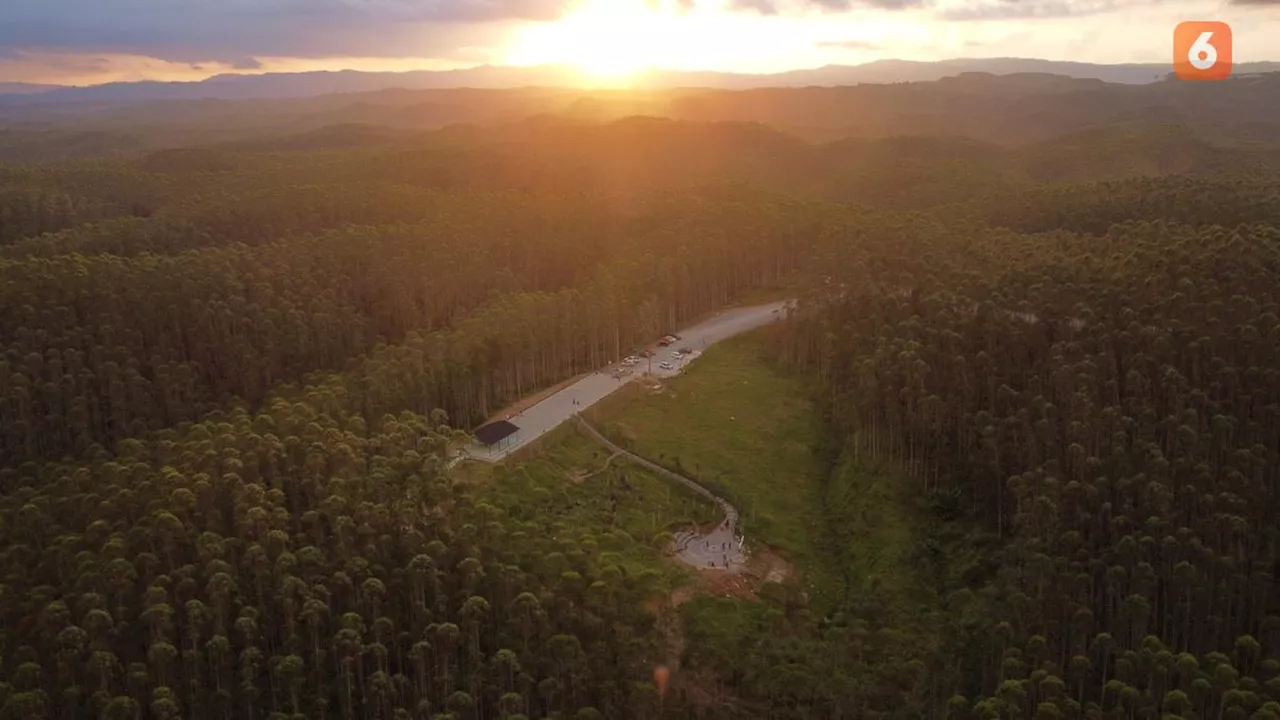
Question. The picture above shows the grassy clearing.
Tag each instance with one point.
(902, 552)
(876, 555)
(744, 430)
(881, 547)
(563, 489)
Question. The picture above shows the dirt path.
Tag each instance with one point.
(580, 476)
(720, 549)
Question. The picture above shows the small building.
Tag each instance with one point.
(496, 435)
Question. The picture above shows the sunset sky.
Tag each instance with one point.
(92, 41)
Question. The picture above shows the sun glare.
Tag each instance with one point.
(612, 39)
(602, 38)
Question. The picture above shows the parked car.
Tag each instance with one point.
(665, 342)
(685, 350)
(666, 365)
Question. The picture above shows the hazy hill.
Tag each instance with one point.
(310, 84)
(18, 88)
(1008, 110)
(630, 159)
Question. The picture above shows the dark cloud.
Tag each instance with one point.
(237, 30)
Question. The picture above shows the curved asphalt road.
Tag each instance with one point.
(719, 549)
(560, 406)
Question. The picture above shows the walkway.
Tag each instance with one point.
(721, 548)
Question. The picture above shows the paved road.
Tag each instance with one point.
(719, 549)
(560, 406)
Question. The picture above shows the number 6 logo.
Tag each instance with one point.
(1202, 51)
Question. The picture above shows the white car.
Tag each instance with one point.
(677, 355)
(666, 365)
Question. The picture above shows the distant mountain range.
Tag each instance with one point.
(312, 84)
(18, 88)
(1009, 110)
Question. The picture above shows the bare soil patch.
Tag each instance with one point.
(765, 565)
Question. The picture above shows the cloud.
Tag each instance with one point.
(1027, 9)
(764, 7)
(849, 44)
(233, 30)
(771, 7)
(964, 9)
(246, 64)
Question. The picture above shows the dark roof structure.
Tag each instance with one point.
(495, 432)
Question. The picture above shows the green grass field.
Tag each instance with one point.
(873, 561)
(563, 490)
(743, 429)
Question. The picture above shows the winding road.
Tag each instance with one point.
(719, 549)
(563, 404)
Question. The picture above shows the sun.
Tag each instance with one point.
(602, 38)
(615, 41)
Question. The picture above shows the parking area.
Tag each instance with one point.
(661, 360)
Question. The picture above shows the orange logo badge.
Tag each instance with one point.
(1202, 51)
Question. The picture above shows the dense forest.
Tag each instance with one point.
(231, 377)
(1106, 405)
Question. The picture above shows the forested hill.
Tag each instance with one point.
(1003, 109)
(341, 249)
(231, 374)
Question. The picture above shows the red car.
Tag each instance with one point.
(665, 342)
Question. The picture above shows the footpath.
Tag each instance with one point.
(719, 549)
